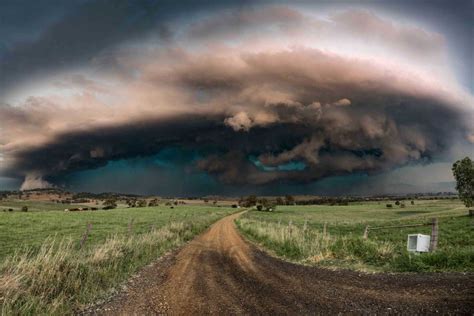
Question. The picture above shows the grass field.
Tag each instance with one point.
(19, 230)
(343, 245)
(43, 270)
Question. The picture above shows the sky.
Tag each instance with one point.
(193, 98)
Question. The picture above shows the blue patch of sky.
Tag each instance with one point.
(289, 166)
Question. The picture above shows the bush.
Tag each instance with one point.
(289, 200)
(109, 204)
(153, 203)
(24, 208)
(389, 205)
(141, 203)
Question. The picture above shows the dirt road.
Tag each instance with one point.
(220, 273)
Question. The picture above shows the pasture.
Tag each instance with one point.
(21, 230)
(43, 269)
(285, 233)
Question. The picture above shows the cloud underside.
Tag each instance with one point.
(334, 115)
(259, 107)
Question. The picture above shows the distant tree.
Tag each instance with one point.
(412, 202)
(279, 201)
(109, 204)
(389, 205)
(263, 201)
(397, 202)
(289, 200)
(463, 171)
(251, 200)
(141, 203)
(24, 209)
(153, 202)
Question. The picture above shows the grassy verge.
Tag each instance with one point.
(60, 278)
(343, 246)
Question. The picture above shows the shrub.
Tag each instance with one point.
(153, 202)
(109, 204)
(289, 200)
(389, 205)
(141, 203)
(24, 208)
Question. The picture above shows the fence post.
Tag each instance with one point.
(366, 232)
(130, 224)
(434, 235)
(289, 226)
(325, 229)
(86, 234)
(305, 225)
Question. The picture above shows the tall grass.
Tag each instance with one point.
(61, 279)
(311, 246)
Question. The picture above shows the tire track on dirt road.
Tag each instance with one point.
(220, 273)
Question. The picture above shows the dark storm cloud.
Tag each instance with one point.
(67, 34)
(254, 103)
(302, 106)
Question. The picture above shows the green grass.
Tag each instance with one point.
(343, 246)
(50, 274)
(19, 230)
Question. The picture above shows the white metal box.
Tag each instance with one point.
(418, 243)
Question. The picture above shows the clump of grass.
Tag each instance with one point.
(310, 245)
(59, 278)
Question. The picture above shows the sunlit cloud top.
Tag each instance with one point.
(261, 94)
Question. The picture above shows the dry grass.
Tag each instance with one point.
(311, 245)
(61, 279)
(308, 245)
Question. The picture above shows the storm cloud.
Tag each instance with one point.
(253, 106)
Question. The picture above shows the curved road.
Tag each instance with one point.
(220, 273)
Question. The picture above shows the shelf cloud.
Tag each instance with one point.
(254, 92)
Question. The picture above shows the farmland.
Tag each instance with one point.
(285, 234)
(29, 230)
(43, 269)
